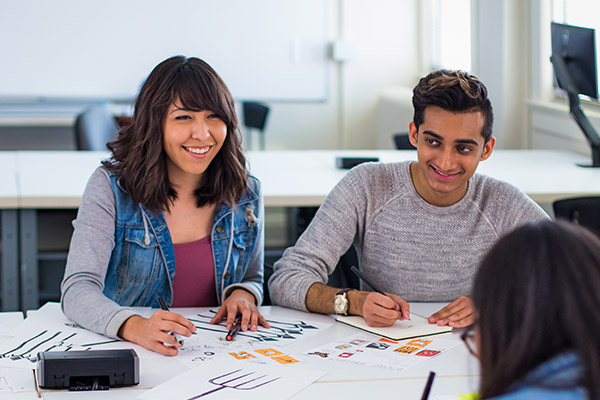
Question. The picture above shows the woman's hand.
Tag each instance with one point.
(243, 302)
(154, 333)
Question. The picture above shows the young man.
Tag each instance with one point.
(419, 228)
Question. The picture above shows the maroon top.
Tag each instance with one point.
(194, 282)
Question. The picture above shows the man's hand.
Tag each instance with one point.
(458, 314)
(380, 310)
(243, 302)
(153, 333)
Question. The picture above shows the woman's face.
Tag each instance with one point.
(191, 140)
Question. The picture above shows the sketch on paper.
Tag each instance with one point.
(237, 380)
(281, 332)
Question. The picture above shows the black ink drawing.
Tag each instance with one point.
(239, 382)
(279, 330)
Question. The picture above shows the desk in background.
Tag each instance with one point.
(457, 371)
(56, 179)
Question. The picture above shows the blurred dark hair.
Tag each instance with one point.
(455, 91)
(537, 294)
(138, 153)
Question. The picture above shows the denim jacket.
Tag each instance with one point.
(555, 379)
(122, 255)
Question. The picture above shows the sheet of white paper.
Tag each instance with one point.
(417, 326)
(283, 331)
(48, 329)
(383, 353)
(224, 379)
(14, 380)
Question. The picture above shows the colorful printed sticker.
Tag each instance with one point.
(242, 355)
(419, 342)
(406, 349)
(378, 345)
(427, 353)
(268, 352)
(285, 360)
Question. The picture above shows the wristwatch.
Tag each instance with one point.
(340, 302)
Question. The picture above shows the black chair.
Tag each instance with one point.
(402, 142)
(255, 117)
(580, 210)
(95, 127)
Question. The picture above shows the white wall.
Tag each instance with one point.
(502, 61)
(384, 33)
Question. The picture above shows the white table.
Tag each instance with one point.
(56, 179)
(9, 203)
(457, 371)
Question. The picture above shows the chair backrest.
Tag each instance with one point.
(580, 210)
(254, 117)
(402, 142)
(255, 114)
(95, 127)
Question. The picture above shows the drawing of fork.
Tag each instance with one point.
(228, 380)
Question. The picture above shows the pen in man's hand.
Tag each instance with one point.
(163, 306)
(237, 324)
(366, 280)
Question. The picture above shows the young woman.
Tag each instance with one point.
(173, 214)
(537, 296)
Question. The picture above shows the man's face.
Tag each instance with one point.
(449, 149)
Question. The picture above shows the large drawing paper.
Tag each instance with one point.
(417, 326)
(228, 379)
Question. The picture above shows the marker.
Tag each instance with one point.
(366, 280)
(237, 324)
(164, 307)
(428, 385)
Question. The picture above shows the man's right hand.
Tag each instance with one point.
(153, 333)
(380, 310)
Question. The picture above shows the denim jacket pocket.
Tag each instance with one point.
(141, 265)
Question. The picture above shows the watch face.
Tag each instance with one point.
(340, 304)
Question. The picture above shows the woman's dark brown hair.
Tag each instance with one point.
(138, 154)
(537, 294)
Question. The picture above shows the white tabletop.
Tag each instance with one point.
(56, 179)
(304, 178)
(457, 371)
(9, 193)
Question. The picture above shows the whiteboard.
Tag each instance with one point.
(104, 49)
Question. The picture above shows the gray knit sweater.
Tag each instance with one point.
(405, 245)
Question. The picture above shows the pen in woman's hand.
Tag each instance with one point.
(237, 324)
(163, 306)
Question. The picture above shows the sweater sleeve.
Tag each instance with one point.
(519, 210)
(316, 253)
(82, 299)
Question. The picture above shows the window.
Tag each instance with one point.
(447, 34)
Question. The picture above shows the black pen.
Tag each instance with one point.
(428, 385)
(164, 307)
(366, 280)
(237, 324)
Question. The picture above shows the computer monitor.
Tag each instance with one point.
(574, 62)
